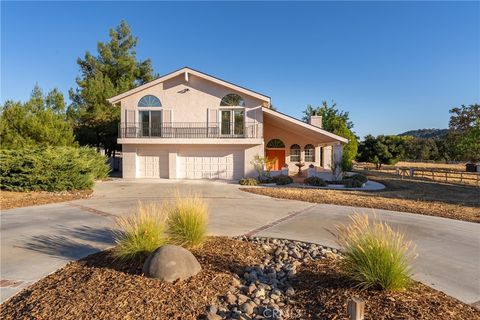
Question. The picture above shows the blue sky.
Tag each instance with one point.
(394, 66)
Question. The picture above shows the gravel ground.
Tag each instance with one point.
(247, 278)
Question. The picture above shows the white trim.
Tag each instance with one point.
(304, 124)
(187, 71)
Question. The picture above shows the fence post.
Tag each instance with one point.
(356, 308)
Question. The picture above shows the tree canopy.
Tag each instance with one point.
(113, 70)
(382, 149)
(338, 122)
(41, 121)
(464, 131)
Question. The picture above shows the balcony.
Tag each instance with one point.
(189, 130)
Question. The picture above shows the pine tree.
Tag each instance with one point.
(113, 70)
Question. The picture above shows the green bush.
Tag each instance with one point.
(265, 179)
(359, 177)
(282, 179)
(352, 183)
(187, 220)
(139, 234)
(376, 256)
(51, 168)
(248, 182)
(315, 181)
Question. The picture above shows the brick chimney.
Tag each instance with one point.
(316, 121)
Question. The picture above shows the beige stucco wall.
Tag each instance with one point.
(191, 105)
(132, 152)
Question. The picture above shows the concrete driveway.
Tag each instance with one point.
(36, 241)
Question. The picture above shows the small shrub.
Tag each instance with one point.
(248, 182)
(265, 179)
(352, 183)
(187, 221)
(376, 256)
(315, 181)
(140, 233)
(359, 177)
(51, 168)
(282, 179)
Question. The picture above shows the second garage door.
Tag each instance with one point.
(225, 165)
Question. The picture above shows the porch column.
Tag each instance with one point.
(337, 153)
(327, 156)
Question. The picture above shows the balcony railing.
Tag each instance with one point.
(189, 130)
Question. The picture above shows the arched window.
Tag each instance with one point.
(232, 100)
(149, 101)
(294, 153)
(275, 143)
(309, 153)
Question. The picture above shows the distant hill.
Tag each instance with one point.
(425, 133)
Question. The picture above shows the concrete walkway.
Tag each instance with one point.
(36, 241)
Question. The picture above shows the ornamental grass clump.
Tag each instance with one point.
(187, 220)
(376, 256)
(140, 233)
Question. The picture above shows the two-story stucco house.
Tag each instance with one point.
(191, 125)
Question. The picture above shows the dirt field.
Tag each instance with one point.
(11, 199)
(405, 195)
(448, 166)
(429, 165)
(450, 173)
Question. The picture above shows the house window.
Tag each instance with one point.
(149, 101)
(275, 143)
(295, 153)
(309, 153)
(150, 123)
(232, 122)
(232, 100)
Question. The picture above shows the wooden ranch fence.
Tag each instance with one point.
(441, 175)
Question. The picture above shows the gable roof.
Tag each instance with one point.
(187, 71)
(304, 124)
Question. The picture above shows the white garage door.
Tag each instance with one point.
(210, 165)
(153, 166)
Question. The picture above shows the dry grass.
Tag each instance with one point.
(13, 199)
(428, 165)
(187, 220)
(442, 166)
(138, 234)
(376, 256)
(438, 172)
(415, 196)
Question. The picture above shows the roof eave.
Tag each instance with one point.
(306, 125)
(197, 73)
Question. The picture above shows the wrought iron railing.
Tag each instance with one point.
(190, 130)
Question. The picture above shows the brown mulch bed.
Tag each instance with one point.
(13, 199)
(322, 292)
(422, 197)
(97, 287)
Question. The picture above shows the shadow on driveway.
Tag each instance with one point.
(71, 243)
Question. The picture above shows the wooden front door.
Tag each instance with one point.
(279, 156)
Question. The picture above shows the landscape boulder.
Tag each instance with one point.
(170, 263)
